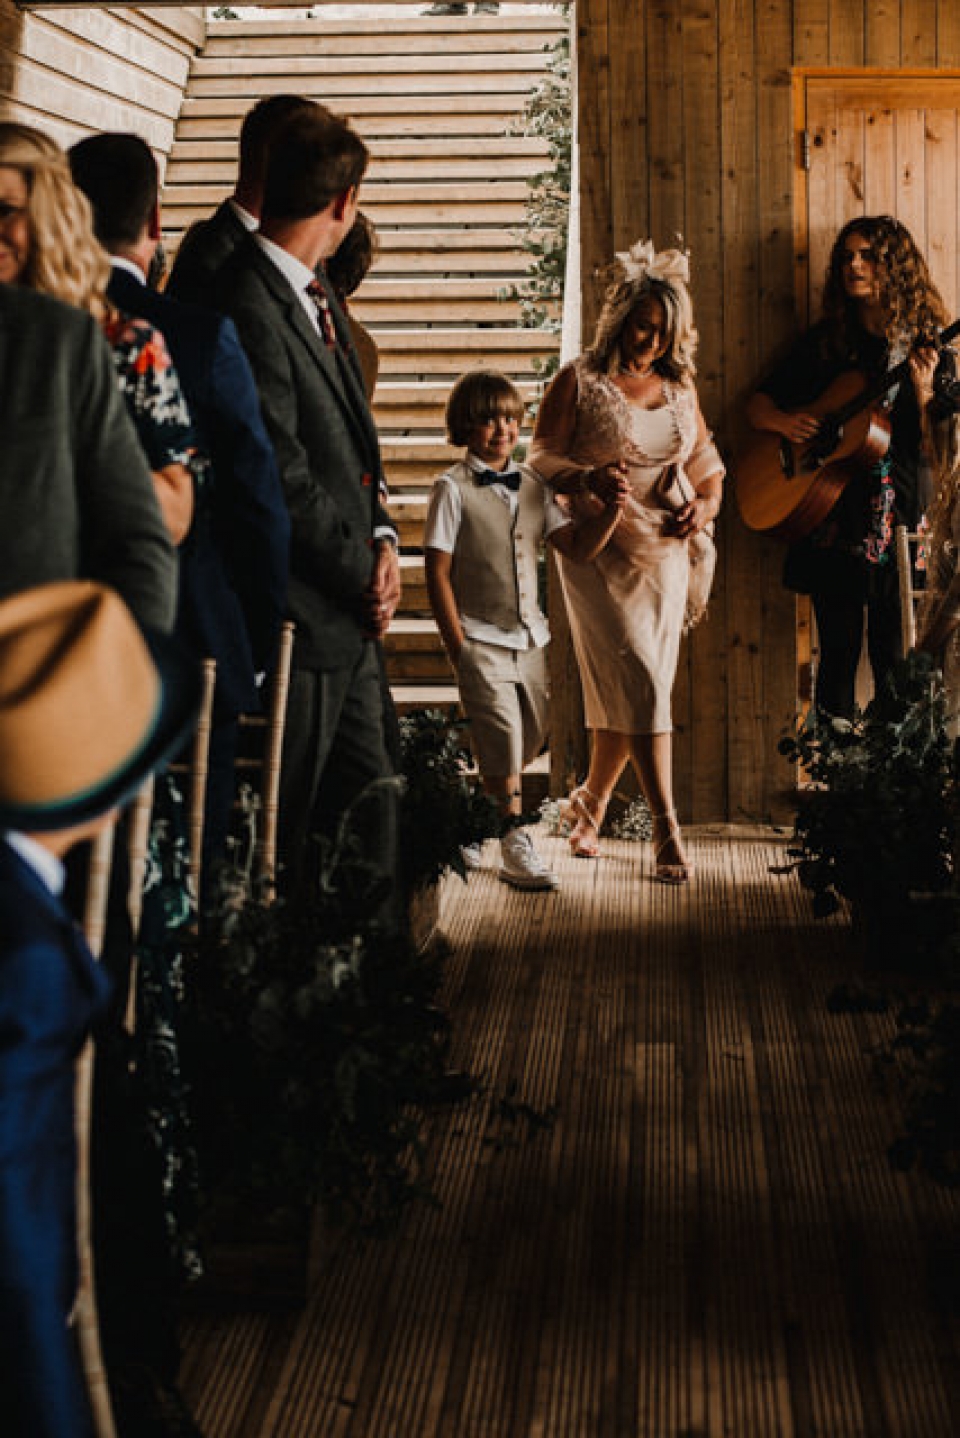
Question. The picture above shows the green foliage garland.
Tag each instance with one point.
(548, 116)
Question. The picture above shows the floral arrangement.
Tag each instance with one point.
(876, 823)
(312, 1053)
(877, 826)
(443, 809)
(634, 822)
(312, 1036)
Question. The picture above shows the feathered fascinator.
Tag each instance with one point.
(635, 269)
(642, 262)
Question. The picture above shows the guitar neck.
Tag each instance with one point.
(887, 381)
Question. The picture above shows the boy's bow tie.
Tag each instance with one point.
(509, 477)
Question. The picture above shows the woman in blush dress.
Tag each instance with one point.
(628, 407)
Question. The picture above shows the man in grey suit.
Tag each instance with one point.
(209, 243)
(76, 497)
(344, 571)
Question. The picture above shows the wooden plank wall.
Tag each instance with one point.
(686, 127)
(71, 72)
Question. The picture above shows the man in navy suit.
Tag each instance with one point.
(234, 562)
(88, 708)
(208, 244)
(344, 574)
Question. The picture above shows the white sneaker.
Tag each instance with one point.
(521, 865)
(472, 856)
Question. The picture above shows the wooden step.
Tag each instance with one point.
(341, 90)
(424, 151)
(413, 649)
(504, 205)
(431, 695)
(423, 252)
(375, 191)
(449, 65)
(428, 252)
(381, 305)
(421, 34)
(409, 513)
(415, 602)
(440, 352)
(415, 463)
(374, 116)
(203, 168)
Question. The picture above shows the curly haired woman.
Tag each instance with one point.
(628, 408)
(879, 307)
(47, 243)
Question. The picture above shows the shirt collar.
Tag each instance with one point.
(477, 466)
(248, 221)
(294, 271)
(47, 867)
(120, 263)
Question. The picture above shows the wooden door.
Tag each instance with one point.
(878, 143)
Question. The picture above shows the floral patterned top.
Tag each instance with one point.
(151, 387)
(155, 400)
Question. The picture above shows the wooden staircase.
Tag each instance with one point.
(439, 103)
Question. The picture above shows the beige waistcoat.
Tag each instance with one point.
(494, 566)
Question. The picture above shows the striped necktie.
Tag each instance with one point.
(324, 314)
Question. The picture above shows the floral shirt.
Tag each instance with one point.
(151, 387)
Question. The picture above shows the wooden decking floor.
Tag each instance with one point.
(709, 1240)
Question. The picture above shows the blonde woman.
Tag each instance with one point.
(628, 408)
(47, 243)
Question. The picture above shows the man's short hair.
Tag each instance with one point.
(314, 158)
(478, 396)
(118, 175)
(261, 123)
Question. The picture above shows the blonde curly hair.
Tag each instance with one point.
(65, 258)
(631, 282)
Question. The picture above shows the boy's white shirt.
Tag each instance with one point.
(444, 517)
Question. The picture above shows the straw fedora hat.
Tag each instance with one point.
(88, 705)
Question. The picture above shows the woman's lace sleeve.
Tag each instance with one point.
(549, 453)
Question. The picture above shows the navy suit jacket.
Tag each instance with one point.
(50, 992)
(318, 417)
(206, 246)
(234, 562)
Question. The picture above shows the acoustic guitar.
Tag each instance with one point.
(786, 489)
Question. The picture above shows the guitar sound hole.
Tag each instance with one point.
(786, 460)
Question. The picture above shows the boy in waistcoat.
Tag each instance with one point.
(487, 519)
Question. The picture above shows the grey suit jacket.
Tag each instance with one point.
(76, 496)
(317, 415)
(203, 251)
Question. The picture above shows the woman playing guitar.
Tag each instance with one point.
(879, 306)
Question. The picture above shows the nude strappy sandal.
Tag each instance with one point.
(582, 826)
(676, 873)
